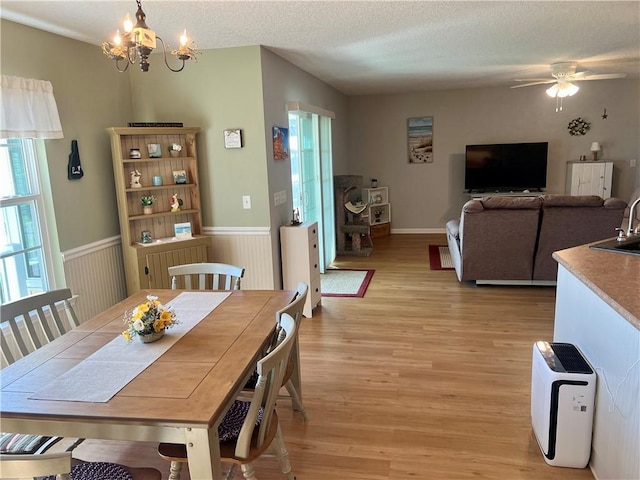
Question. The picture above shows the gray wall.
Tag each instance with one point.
(425, 196)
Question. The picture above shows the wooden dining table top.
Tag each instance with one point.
(191, 384)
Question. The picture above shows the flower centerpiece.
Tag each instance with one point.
(147, 203)
(149, 320)
(175, 149)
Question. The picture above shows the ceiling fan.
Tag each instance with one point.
(564, 74)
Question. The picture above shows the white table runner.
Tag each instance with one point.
(104, 373)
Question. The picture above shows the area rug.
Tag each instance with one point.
(339, 282)
(440, 258)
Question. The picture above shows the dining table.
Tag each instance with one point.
(92, 383)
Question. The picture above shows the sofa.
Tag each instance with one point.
(510, 240)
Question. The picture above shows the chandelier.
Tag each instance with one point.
(138, 41)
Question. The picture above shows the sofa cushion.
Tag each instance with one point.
(570, 221)
(571, 201)
(532, 203)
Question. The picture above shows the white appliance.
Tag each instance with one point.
(563, 387)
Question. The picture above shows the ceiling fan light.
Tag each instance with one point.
(552, 91)
(572, 90)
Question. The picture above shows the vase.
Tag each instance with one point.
(174, 153)
(147, 209)
(151, 337)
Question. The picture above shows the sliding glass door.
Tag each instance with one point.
(312, 176)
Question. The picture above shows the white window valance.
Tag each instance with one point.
(28, 109)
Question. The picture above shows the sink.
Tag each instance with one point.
(630, 246)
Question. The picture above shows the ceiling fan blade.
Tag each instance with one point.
(533, 83)
(601, 76)
(547, 79)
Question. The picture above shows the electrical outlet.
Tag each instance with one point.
(632, 162)
(246, 202)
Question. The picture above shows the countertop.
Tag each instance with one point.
(614, 277)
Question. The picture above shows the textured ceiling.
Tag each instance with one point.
(372, 47)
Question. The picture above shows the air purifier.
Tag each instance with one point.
(563, 387)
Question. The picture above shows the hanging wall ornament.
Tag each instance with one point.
(74, 169)
(578, 127)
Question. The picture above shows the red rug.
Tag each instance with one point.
(440, 258)
(345, 282)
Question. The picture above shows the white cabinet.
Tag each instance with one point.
(378, 209)
(301, 261)
(589, 178)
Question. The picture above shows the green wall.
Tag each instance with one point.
(222, 90)
(91, 95)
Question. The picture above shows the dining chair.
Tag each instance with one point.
(60, 466)
(35, 321)
(26, 325)
(292, 378)
(211, 276)
(250, 429)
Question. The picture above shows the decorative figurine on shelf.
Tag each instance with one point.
(135, 179)
(296, 217)
(176, 203)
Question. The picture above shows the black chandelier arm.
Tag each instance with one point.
(122, 70)
(164, 52)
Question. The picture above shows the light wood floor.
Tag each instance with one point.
(423, 378)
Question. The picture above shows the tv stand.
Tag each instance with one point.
(534, 192)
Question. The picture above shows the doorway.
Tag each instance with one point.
(312, 173)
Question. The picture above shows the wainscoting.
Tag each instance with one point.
(246, 247)
(95, 272)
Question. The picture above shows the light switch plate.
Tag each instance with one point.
(246, 202)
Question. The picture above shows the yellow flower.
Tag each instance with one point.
(144, 307)
(165, 316)
(158, 325)
(126, 335)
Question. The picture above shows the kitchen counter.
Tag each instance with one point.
(598, 310)
(614, 277)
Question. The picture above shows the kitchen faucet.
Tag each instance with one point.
(632, 208)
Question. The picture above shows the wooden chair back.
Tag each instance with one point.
(208, 276)
(35, 321)
(271, 370)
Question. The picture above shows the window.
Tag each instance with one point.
(23, 253)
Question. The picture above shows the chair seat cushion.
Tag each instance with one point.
(22, 443)
(231, 424)
(98, 471)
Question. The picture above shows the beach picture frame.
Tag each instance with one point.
(420, 139)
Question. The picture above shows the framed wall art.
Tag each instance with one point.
(233, 138)
(420, 137)
(280, 143)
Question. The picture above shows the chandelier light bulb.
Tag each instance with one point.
(183, 38)
(128, 23)
(117, 40)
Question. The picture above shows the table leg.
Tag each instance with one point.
(203, 453)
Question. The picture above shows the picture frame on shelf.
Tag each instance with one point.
(420, 139)
(233, 138)
(179, 177)
(154, 149)
(182, 231)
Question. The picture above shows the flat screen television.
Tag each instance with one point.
(506, 167)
